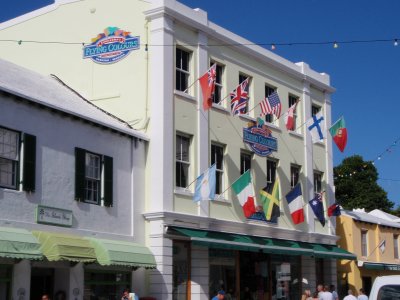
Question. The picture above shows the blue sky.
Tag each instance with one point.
(366, 76)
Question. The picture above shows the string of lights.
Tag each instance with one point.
(272, 45)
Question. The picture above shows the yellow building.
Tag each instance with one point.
(374, 238)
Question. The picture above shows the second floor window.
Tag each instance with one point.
(364, 243)
(317, 182)
(396, 246)
(182, 161)
(245, 162)
(243, 77)
(218, 83)
(268, 91)
(217, 157)
(271, 173)
(315, 109)
(182, 68)
(9, 158)
(294, 175)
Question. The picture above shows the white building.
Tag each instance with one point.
(70, 180)
(199, 247)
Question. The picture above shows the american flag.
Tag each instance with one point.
(271, 105)
(239, 98)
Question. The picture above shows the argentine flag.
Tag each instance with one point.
(205, 185)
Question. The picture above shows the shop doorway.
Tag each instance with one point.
(42, 282)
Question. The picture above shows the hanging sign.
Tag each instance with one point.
(111, 46)
(259, 138)
(53, 216)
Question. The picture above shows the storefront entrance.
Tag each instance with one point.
(42, 282)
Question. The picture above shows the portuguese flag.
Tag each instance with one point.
(339, 133)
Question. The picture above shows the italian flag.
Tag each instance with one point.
(338, 132)
(243, 188)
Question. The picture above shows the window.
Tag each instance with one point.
(245, 162)
(271, 171)
(268, 91)
(396, 246)
(243, 77)
(182, 160)
(292, 101)
(317, 182)
(364, 243)
(218, 83)
(93, 178)
(315, 109)
(182, 70)
(294, 175)
(101, 284)
(10, 160)
(217, 157)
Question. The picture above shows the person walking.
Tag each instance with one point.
(125, 295)
(334, 293)
(220, 295)
(350, 296)
(362, 295)
(325, 294)
(306, 295)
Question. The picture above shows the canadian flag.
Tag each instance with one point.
(289, 117)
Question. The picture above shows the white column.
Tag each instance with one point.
(203, 147)
(21, 280)
(76, 282)
(330, 192)
(161, 280)
(200, 273)
(308, 273)
(161, 85)
(308, 157)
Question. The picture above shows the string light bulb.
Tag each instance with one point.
(273, 47)
(396, 43)
(335, 45)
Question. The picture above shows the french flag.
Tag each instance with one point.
(295, 201)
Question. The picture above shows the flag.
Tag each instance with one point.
(318, 208)
(271, 105)
(295, 201)
(289, 117)
(334, 210)
(243, 189)
(382, 246)
(338, 132)
(270, 202)
(316, 126)
(239, 98)
(205, 185)
(207, 84)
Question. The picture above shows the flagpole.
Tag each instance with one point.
(191, 85)
(220, 195)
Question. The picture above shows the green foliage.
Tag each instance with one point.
(356, 185)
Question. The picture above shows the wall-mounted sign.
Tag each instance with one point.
(111, 46)
(53, 216)
(259, 138)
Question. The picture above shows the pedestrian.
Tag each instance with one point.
(315, 295)
(320, 289)
(125, 295)
(325, 294)
(334, 293)
(362, 295)
(220, 295)
(306, 295)
(350, 296)
(45, 297)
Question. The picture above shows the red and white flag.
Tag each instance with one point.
(207, 83)
(289, 117)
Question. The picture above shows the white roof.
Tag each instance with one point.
(369, 218)
(53, 93)
(384, 215)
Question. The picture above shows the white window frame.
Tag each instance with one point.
(15, 161)
(271, 117)
(242, 162)
(364, 243)
(218, 85)
(98, 180)
(181, 161)
(318, 175)
(292, 97)
(292, 179)
(219, 171)
(315, 109)
(179, 69)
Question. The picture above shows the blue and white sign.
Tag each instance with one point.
(260, 139)
(111, 46)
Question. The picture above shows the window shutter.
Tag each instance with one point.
(29, 163)
(80, 155)
(108, 181)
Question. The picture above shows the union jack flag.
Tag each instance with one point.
(239, 98)
(271, 105)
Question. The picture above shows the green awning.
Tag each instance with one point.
(111, 252)
(19, 243)
(332, 251)
(381, 266)
(213, 239)
(233, 241)
(57, 246)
